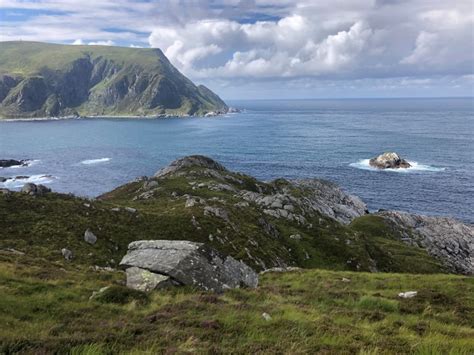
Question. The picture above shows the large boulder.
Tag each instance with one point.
(184, 263)
(35, 190)
(389, 161)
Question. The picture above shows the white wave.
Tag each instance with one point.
(415, 166)
(17, 182)
(95, 161)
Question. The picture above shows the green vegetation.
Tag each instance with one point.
(43, 225)
(95, 80)
(45, 308)
(81, 306)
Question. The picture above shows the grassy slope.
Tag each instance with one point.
(45, 307)
(45, 304)
(42, 226)
(29, 58)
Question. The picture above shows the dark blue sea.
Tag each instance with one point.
(330, 139)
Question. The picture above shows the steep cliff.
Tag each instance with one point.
(42, 80)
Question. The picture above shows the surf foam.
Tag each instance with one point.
(95, 161)
(14, 183)
(415, 167)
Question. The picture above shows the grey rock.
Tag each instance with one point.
(217, 212)
(149, 185)
(444, 238)
(269, 228)
(328, 199)
(280, 269)
(190, 202)
(130, 209)
(144, 280)
(90, 237)
(389, 161)
(190, 263)
(67, 254)
(35, 190)
(6, 163)
(190, 161)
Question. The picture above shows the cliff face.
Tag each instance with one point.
(41, 80)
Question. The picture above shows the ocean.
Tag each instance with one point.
(329, 139)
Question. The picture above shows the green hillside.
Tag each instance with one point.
(41, 79)
(331, 305)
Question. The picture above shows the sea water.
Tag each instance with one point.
(329, 139)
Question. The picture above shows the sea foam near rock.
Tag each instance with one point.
(17, 182)
(415, 167)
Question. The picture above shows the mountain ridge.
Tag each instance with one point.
(54, 80)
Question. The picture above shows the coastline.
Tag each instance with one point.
(147, 117)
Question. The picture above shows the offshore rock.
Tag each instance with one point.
(6, 163)
(188, 263)
(389, 161)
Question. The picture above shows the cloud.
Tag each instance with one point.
(80, 42)
(326, 39)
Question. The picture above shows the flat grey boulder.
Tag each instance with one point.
(190, 161)
(389, 161)
(189, 263)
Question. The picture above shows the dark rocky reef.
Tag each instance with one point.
(7, 163)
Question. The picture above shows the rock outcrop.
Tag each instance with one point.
(389, 161)
(150, 263)
(446, 239)
(190, 161)
(6, 163)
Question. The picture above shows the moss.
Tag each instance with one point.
(121, 295)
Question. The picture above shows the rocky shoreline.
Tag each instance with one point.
(231, 110)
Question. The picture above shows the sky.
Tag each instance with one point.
(274, 49)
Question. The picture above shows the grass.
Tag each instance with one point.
(45, 307)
